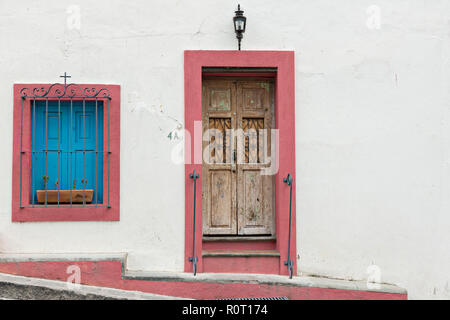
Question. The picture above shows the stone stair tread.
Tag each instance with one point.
(240, 253)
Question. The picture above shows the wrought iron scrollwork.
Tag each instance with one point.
(64, 90)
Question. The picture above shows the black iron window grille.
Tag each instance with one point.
(69, 145)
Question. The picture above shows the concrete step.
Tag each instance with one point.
(13, 287)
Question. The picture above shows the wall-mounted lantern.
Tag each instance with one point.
(239, 24)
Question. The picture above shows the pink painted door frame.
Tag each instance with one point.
(284, 122)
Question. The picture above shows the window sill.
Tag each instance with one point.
(74, 213)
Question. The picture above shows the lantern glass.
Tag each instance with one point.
(239, 24)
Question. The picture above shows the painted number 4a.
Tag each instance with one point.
(173, 136)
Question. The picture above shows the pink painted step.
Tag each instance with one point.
(241, 261)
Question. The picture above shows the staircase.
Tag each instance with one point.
(241, 261)
(235, 255)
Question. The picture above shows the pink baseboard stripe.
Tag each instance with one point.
(111, 273)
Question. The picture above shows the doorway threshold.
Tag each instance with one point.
(238, 238)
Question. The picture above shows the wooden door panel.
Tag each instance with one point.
(221, 203)
(218, 95)
(220, 199)
(219, 99)
(255, 215)
(254, 98)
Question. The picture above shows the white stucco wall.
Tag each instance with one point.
(372, 125)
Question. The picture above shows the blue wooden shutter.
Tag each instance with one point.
(92, 173)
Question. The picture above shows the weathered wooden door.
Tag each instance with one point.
(237, 199)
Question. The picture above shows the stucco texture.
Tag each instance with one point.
(372, 125)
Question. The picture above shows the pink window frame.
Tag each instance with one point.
(76, 212)
(284, 122)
